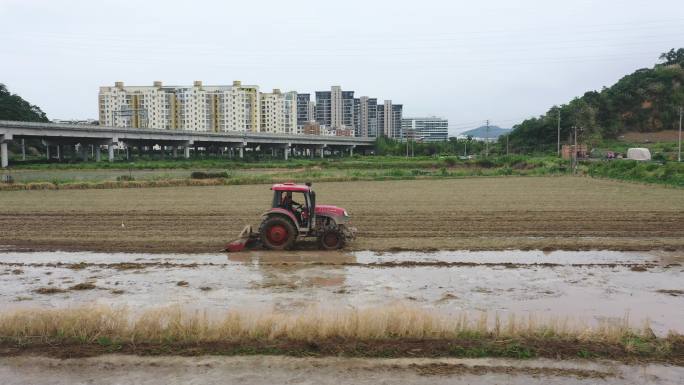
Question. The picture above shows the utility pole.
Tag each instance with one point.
(574, 153)
(487, 140)
(23, 148)
(559, 153)
(465, 147)
(679, 152)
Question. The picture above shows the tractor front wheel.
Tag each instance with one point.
(331, 240)
(277, 233)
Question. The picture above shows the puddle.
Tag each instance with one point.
(585, 285)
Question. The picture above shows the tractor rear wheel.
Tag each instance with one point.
(331, 240)
(277, 233)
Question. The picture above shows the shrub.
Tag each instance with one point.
(209, 175)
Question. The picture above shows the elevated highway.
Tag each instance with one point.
(56, 135)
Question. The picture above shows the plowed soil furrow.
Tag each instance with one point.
(491, 213)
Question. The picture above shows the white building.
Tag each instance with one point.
(429, 129)
(195, 108)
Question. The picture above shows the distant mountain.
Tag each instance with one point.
(481, 132)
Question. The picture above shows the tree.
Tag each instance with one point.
(13, 107)
(673, 57)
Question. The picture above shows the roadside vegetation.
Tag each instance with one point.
(395, 331)
(217, 172)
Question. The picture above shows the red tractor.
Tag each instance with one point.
(294, 213)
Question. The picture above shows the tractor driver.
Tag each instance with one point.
(288, 204)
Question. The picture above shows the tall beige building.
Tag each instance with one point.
(194, 108)
(279, 112)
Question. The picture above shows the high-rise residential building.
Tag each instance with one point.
(367, 120)
(335, 108)
(195, 108)
(397, 110)
(429, 129)
(324, 108)
(389, 119)
(348, 118)
(380, 111)
(279, 112)
(305, 111)
(290, 112)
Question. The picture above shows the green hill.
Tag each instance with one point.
(13, 107)
(647, 100)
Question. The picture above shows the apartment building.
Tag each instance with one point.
(305, 113)
(279, 112)
(428, 129)
(194, 108)
(367, 120)
(335, 108)
(239, 107)
(324, 108)
(389, 119)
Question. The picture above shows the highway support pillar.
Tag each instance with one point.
(110, 150)
(4, 153)
(47, 151)
(351, 150)
(286, 150)
(84, 153)
(242, 152)
(186, 148)
(5, 157)
(175, 152)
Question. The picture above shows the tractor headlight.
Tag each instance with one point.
(346, 214)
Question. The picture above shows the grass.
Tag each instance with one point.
(213, 172)
(386, 331)
(669, 173)
(337, 170)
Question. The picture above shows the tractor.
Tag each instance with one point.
(295, 214)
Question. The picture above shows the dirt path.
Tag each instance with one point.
(120, 369)
(476, 213)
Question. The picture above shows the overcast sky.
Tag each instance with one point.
(464, 60)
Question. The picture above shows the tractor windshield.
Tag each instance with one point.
(295, 202)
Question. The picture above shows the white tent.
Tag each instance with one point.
(639, 154)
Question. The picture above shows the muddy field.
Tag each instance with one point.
(118, 369)
(585, 287)
(475, 214)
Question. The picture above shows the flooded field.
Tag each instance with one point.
(588, 286)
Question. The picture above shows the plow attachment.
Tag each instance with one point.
(247, 240)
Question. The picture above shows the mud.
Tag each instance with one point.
(122, 369)
(591, 287)
(470, 214)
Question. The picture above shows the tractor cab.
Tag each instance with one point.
(298, 200)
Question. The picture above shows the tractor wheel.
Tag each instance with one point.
(331, 240)
(277, 233)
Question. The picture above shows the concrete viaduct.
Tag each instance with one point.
(99, 136)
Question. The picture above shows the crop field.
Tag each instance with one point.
(540, 268)
(475, 214)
